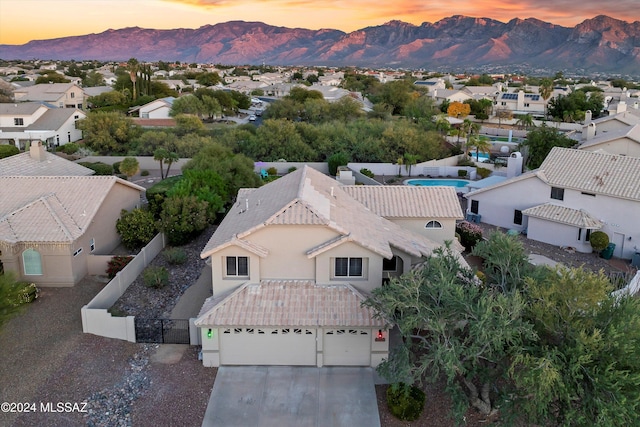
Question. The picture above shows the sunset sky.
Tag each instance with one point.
(25, 20)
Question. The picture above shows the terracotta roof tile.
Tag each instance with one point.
(576, 217)
(289, 303)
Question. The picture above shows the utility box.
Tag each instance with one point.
(635, 260)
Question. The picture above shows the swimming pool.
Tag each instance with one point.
(458, 183)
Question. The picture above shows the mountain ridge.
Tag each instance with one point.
(599, 44)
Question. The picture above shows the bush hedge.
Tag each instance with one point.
(116, 264)
(8, 150)
(405, 402)
(175, 256)
(367, 172)
(98, 167)
(470, 234)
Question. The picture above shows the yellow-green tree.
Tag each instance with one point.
(458, 109)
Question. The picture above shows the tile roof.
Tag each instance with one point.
(289, 303)
(404, 201)
(308, 197)
(51, 209)
(593, 172)
(24, 165)
(561, 214)
(46, 91)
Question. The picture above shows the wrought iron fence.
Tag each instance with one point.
(162, 331)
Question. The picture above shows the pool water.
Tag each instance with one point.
(458, 183)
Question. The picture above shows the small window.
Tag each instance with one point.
(237, 266)
(557, 193)
(588, 194)
(390, 264)
(73, 95)
(526, 104)
(76, 117)
(348, 267)
(92, 245)
(18, 121)
(32, 262)
(433, 225)
(517, 217)
(587, 235)
(475, 206)
(77, 252)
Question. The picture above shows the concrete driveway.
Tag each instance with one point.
(280, 396)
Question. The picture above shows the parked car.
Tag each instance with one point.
(252, 118)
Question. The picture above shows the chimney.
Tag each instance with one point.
(37, 151)
(587, 117)
(514, 164)
(621, 107)
(591, 131)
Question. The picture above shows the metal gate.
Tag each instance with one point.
(162, 331)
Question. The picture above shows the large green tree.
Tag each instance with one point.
(539, 143)
(585, 368)
(452, 326)
(107, 132)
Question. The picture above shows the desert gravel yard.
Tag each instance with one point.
(46, 359)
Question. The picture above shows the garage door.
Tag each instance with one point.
(268, 346)
(347, 347)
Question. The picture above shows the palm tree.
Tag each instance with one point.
(525, 121)
(400, 163)
(410, 160)
(159, 155)
(170, 159)
(545, 90)
(480, 144)
(132, 66)
(442, 124)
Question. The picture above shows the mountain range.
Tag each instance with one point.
(600, 44)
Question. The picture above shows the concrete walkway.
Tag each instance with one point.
(191, 301)
(265, 396)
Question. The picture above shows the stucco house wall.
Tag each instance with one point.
(623, 146)
(418, 226)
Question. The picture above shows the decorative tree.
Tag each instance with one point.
(129, 166)
(599, 241)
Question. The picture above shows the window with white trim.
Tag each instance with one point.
(32, 262)
(92, 245)
(237, 266)
(77, 252)
(557, 193)
(18, 121)
(433, 225)
(348, 267)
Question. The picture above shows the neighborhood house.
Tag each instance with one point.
(293, 260)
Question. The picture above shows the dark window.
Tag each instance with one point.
(517, 217)
(557, 193)
(348, 267)
(587, 236)
(588, 194)
(433, 224)
(18, 121)
(237, 266)
(389, 264)
(474, 206)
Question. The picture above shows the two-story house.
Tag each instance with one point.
(573, 193)
(60, 95)
(291, 264)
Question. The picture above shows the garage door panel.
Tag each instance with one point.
(268, 346)
(347, 347)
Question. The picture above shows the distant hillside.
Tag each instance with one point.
(601, 44)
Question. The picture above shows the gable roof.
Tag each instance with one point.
(564, 215)
(19, 108)
(46, 91)
(289, 303)
(54, 118)
(308, 197)
(51, 209)
(24, 164)
(631, 132)
(406, 201)
(594, 172)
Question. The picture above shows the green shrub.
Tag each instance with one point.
(155, 277)
(70, 148)
(470, 234)
(462, 172)
(8, 150)
(116, 168)
(483, 172)
(338, 159)
(157, 194)
(99, 168)
(405, 402)
(136, 228)
(292, 169)
(599, 240)
(183, 218)
(144, 172)
(175, 256)
(116, 264)
(367, 172)
(465, 161)
(272, 171)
